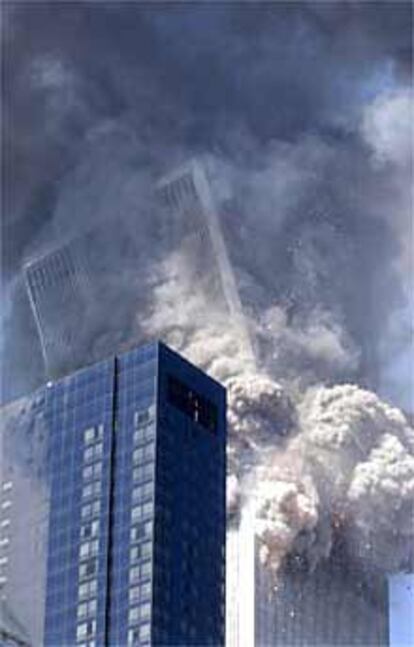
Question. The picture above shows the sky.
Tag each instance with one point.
(307, 103)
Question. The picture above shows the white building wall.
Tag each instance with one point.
(401, 609)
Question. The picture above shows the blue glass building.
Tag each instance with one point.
(136, 461)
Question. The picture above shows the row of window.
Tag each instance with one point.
(143, 434)
(141, 530)
(142, 491)
(140, 572)
(142, 472)
(140, 612)
(87, 589)
(93, 453)
(86, 630)
(91, 509)
(140, 592)
(141, 551)
(143, 454)
(141, 511)
(91, 490)
(91, 472)
(88, 569)
(89, 534)
(88, 549)
(87, 609)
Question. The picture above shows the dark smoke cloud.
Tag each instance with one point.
(288, 94)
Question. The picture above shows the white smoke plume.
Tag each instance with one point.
(314, 462)
(351, 471)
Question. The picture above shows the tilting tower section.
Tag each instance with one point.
(193, 222)
(58, 285)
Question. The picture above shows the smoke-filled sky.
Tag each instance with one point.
(308, 104)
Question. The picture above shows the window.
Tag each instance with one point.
(89, 435)
(83, 590)
(134, 592)
(144, 631)
(136, 513)
(148, 470)
(146, 549)
(87, 472)
(141, 417)
(87, 491)
(98, 450)
(137, 492)
(141, 530)
(81, 631)
(93, 434)
(149, 432)
(133, 637)
(91, 509)
(91, 490)
(138, 436)
(82, 610)
(85, 629)
(88, 454)
(146, 589)
(88, 548)
(89, 530)
(87, 569)
(146, 569)
(133, 615)
(92, 471)
(144, 433)
(149, 451)
(87, 589)
(192, 404)
(148, 508)
(136, 533)
(134, 554)
(84, 550)
(138, 456)
(134, 574)
(148, 487)
(145, 610)
(93, 452)
(138, 473)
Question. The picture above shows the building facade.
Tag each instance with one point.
(135, 474)
(58, 287)
(192, 225)
(334, 603)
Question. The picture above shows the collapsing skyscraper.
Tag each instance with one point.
(68, 287)
(335, 603)
(58, 285)
(192, 224)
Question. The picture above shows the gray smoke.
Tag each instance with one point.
(304, 108)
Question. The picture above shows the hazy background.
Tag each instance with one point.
(307, 103)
